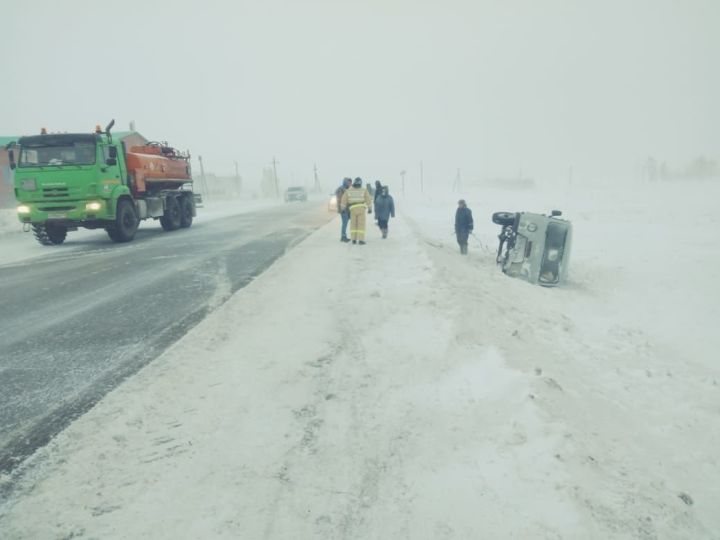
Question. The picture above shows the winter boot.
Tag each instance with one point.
(344, 239)
(354, 241)
(384, 231)
(361, 242)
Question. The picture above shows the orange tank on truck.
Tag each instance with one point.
(155, 166)
(100, 180)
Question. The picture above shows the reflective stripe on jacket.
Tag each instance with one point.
(354, 197)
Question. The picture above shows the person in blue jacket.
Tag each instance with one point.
(384, 210)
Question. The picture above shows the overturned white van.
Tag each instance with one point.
(534, 247)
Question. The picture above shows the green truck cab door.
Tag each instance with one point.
(114, 172)
(112, 166)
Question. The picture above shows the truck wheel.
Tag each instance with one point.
(186, 212)
(503, 218)
(172, 218)
(126, 223)
(50, 235)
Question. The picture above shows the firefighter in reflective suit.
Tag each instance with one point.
(358, 201)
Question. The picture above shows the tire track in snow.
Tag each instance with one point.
(310, 420)
(342, 380)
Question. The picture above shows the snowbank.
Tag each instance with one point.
(8, 221)
(399, 390)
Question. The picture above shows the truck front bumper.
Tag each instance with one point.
(70, 212)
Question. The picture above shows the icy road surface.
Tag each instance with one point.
(81, 317)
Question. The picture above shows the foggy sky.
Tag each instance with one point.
(370, 88)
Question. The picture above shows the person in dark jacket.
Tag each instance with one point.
(344, 214)
(463, 225)
(378, 191)
(384, 210)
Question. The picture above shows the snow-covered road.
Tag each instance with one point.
(79, 320)
(398, 390)
(17, 246)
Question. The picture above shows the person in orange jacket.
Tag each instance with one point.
(358, 201)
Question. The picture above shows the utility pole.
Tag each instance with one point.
(457, 186)
(402, 175)
(317, 186)
(203, 181)
(422, 178)
(277, 188)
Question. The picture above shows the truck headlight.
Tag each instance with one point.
(93, 206)
(23, 209)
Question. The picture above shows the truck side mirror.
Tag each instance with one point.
(112, 156)
(11, 157)
(556, 213)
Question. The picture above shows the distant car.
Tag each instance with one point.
(297, 193)
(332, 203)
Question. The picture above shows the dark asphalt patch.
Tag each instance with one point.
(118, 330)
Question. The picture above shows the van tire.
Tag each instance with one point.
(503, 218)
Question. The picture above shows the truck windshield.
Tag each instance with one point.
(60, 153)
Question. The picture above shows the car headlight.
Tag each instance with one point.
(93, 206)
(23, 209)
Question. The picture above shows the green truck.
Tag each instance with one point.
(99, 180)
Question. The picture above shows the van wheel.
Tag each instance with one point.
(503, 218)
(172, 218)
(50, 235)
(186, 212)
(126, 222)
